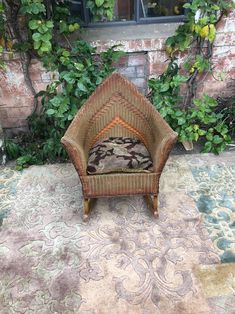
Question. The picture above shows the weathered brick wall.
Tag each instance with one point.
(135, 67)
(145, 58)
(16, 101)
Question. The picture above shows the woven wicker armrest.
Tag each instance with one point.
(163, 139)
(162, 150)
(76, 153)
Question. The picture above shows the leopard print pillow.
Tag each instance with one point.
(119, 154)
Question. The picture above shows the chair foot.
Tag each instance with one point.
(85, 217)
(152, 204)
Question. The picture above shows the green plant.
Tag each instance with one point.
(193, 118)
(13, 150)
(191, 123)
(227, 108)
(101, 10)
(80, 72)
(46, 29)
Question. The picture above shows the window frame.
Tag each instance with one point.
(137, 19)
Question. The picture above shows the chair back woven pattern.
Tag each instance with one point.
(116, 98)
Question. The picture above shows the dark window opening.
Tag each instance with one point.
(131, 12)
(153, 8)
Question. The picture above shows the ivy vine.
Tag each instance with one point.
(193, 118)
(42, 28)
(101, 10)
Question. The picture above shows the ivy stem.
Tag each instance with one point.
(68, 42)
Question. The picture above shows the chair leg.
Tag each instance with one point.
(88, 204)
(152, 204)
(86, 209)
(155, 206)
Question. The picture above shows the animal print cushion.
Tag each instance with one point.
(119, 154)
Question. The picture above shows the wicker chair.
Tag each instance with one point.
(117, 108)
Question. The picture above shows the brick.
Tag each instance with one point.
(140, 71)
(40, 86)
(46, 77)
(19, 112)
(157, 56)
(122, 62)
(135, 45)
(3, 114)
(128, 72)
(139, 82)
(157, 68)
(137, 59)
(147, 44)
(14, 122)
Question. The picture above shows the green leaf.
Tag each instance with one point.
(178, 113)
(45, 47)
(35, 8)
(37, 36)
(69, 77)
(43, 29)
(46, 37)
(70, 117)
(207, 147)
(66, 53)
(63, 27)
(71, 28)
(37, 45)
(50, 112)
(99, 2)
(187, 5)
(99, 80)
(217, 139)
(79, 66)
(49, 24)
(109, 14)
(164, 87)
(181, 121)
(82, 87)
(215, 7)
(33, 24)
(212, 33)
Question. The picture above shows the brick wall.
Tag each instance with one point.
(145, 58)
(16, 101)
(135, 67)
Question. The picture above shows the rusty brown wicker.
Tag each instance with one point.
(118, 109)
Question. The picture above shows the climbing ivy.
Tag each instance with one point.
(101, 10)
(46, 27)
(190, 116)
(42, 28)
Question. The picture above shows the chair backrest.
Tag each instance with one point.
(116, 108)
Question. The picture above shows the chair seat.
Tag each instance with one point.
(119, 154)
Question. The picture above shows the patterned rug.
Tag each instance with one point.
(121, 260)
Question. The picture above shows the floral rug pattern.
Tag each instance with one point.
(120, 261)
(8, 182)
(215, 199)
